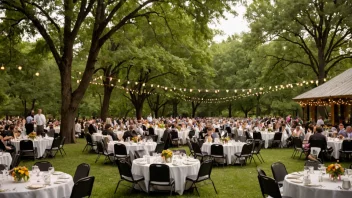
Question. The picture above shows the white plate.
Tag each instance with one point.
(292, 177)
(314, 185)
(35, 186)
(297, 181)
(57, 173)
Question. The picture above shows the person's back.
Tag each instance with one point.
(318, 137)
(127, 134)
(51, 132)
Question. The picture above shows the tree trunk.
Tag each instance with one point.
(174, 109)
(230, 110)
(245, 114)
(139, 109)
(156, 112)
(33, 104)
(68, 124)
(25, 108)
(106, 102)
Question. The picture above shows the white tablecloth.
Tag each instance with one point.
(179, 173)
(336, 145)
(41, 145)
(159, 132)
(19, 190)
(329, 190)
(149, 146)
(229, 150)
(6, 159)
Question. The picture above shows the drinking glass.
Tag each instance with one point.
(51, 170)
(311, 169)
(306, 170)
(5, 173)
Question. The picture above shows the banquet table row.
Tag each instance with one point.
(147, 146)
(336, 144)
(41, 145)
(182, 134)
(229, 150)
(178, 171)
(267, 136)
(294, 186)
(60, 187)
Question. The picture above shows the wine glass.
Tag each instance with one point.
(51, 170)
(5, 173)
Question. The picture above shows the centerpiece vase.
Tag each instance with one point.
(335, 178)
(19, 179)
(167, 159)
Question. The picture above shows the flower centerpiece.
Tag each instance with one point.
(32, 135)
(20, 174)
(270, 130)
(335, 171)
(160, 125)
(167, 155)
(135, 139)
(225, 140)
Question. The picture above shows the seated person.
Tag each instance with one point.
(318, 136)
(129, 134)
(9, 134)
(6, 148)
(108, 131)
(342, 130)
(210, 133)
(51, 131)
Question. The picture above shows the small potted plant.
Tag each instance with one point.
(335, 171)
(32, 135)
(20, 174)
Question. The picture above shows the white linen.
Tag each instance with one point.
(19, 190)
(41, 145)
(179, 173)
(159, 132)
(336, 145)
(229, 150)
(329, 190)
(148, 146)
(6, 159)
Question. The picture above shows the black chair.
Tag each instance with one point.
(159, 147)
(61, 147)
(102, 151)
(27, 149)
(126, 174)
(248, 136)
(90, 142)
(83, 187)
(140, 153)
(144, 128)
(315, 164)
(269, 187)
(154, 138)
(2, 167)
(320, 144)
(261, 173)
(297, 147)
(159, 175)
(82, 171)
(257, 136)
(245, 153)
(243, 138)
(55, 147)
(120, 151)
(174, 138)
(217, 152)
(190, 148)
(15, 161)
(198, 152)
(151, 131)
(277, 140)
(346, 149)
(203, 174)
(43, 165)
(191, 134)
(279, 172)
(351, 166)
(258, 145)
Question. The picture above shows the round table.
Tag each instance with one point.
(178, 172)
(19, 190)
(336, 144)
(229, 149)
(40, 144)
(5, 158)
(147, 146)
(327, 188)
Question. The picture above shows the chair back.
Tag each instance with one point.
(43, 165)
(297, 142)
(189, 145)
(247, 149)
(228, 129)
(144, 128)
(140, 153)
(217, 149)
(56, 143)
(248, 136)
(191, 134)
(120, 149)
(88, 137)
(258, 144)
(83, 187)
(315, 164)
(2, 167)
(151, 131)
(257, 135)
(243, 138)
(82, 171)
(346, 145)
(269, 186)
(205, 169)
(15, 161)
(278, 136)
(261, 172)
(279, 171)
(196, 148)
(159, 147)
(124, 169)
(26, 145)
(159, 173)
(63, 139)
(100, 147)
(174, 134)
(154, 138)
(317, 143)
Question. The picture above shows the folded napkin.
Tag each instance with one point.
(314, 185)
(297, 173)
(297, 181)
(292, 177)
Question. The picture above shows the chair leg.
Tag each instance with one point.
(97, 158)
(132, 188)
(117, 186)
(214, 186)
(261, 157)
(85, 148)
(60, 152)
(194, 184)
(63, 150)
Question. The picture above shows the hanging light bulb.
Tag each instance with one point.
(19, 67)
(118, 80)
(37, 74)
(2, 67)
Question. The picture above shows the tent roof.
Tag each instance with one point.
(339, 86)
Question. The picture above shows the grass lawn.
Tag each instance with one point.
(230, 181)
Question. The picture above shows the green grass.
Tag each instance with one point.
(230, 181)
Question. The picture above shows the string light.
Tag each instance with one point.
(2, 67)
(37, 74)
(19, 67)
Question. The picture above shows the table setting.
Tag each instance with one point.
(329, 182)
(20, 183)
(230, 148)
(180, 166)
(39, 142)
(131, 145)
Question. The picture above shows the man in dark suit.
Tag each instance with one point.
(92, 128)
(166, 133)
(129, 133)
(108, 131)
(318, 139)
